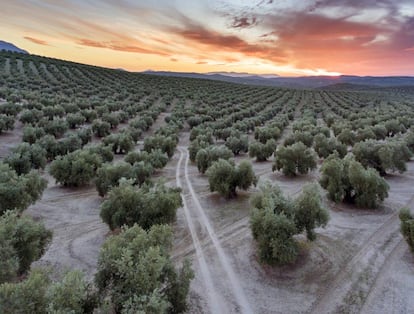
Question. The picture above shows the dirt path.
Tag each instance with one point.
(382, 275)
(78, 231)
(214, 302)
(233, 284)
(372, 258)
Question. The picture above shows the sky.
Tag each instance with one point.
(284, 37)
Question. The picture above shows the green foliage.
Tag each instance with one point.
(407, 226)
(347, 180)
(112, 119)
(325, 146)
(146, 206)
(26, 157)
(24, 238)
(75, 119)
(137, 274)
(206, 157)
(156, 158)
(30, 116)
(195, 146)
(28, 296)
(165, 143)
(383, 156)
(109, 174)
(304, 137)
(9, 262)
(32, 134)
(101, 128)
(347, 137)
(121, 143)
(275, 220)
(38, 295)
(266, 133)
(70, 295)
(365, 134)
(262, 151)
(141, 172)
(56, 127)
(309, 212)
(18, 192)
(6, 123)
(102, 151)
(294, 159)
(75, 169)
(238, 144)
(224, 177)
(50, 144)
(85, 134)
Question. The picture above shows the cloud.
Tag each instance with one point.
(36, 41)
(118, 46)
(244, 22)
(197, 34)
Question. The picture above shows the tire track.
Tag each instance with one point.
(379, 279)
(213, 299)
(327, 295)
(235, 285)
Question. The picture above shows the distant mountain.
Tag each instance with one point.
(243, 74)
(321, 82)
(10, 47)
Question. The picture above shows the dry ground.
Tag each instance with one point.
(358, 264)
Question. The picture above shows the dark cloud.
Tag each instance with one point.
(244, 22)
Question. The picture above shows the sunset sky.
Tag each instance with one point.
(285, 37)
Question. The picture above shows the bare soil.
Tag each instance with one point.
(358, 264)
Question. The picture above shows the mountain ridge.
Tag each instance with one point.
(4, 45)
(298, 82)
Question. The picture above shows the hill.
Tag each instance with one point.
(298, 82)
(10, 47)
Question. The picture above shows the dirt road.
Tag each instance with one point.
(232, 284)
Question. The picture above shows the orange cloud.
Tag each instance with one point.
(36, 41)
(197, 34)
(119, 46)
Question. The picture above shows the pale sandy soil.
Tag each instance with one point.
(358, 264)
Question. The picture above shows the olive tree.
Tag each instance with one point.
(156, 158)
(146, 206)
(165, 143)
(101, 128)
(137, 275)
(109, 174)
(18, 192)
(75, 169)
(38, 294)
(262, 151)
(224, 177)
(347, 180)
(275, 219)
(383, 156)
(238, 144)
(26, 157)
(121, 143)
(294, 159)
(75, 119)
(407, 226)
(309, 212)
(263, 134)
(26, 241)
(325, 146)
(206, 157)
